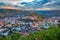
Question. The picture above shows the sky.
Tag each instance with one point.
(31, 4)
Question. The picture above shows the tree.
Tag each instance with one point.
(58, 23)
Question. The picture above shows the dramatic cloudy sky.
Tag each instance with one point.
(31, 4)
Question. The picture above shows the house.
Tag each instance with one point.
(1, 23)
(34, 24)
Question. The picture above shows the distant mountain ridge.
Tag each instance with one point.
(48, 13)
(43, 13)
(12, 12)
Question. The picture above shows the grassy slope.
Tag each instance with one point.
(48, 34)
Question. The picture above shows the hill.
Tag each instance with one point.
(14, 13)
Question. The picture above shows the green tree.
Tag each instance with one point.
(58, 23)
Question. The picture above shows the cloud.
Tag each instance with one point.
(21, 5)
(44, 8)
(48, 3)
(32, 4)
(8, 7)
(27, 0)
